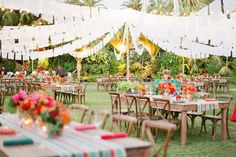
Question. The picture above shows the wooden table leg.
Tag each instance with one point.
(54, 94)
(223, 124)
(184, 128)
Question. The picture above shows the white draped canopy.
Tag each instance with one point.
(193, 36)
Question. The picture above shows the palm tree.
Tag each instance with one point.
(158, 6)
(178, 6)
(26, 18)
(9, 18)
(133, 4)
(88, 3)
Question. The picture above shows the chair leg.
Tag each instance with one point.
(192, 123)
(139, 124)
(227, 127)
(214, 131)
(203, 124)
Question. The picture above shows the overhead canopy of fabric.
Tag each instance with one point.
(73, 28)
(214, 8)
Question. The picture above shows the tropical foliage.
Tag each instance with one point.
(149, 64)
(14, 17)
(133, 4)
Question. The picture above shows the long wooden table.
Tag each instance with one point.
(132, 146)
(191, 106)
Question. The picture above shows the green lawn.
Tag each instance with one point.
(198, 146)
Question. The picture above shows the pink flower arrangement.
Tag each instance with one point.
(20, 96)
(40, 105)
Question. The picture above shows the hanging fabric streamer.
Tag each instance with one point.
(135, 33)
(118, 55)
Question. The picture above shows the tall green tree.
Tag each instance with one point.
(181, 6)
(88, 3)
(158, 6)
(133, 4)
(9, 18)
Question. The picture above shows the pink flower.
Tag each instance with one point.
(49, 101)
(20, 96)
(15, 99)
(35, 97)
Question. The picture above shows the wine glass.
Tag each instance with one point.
(97, 120)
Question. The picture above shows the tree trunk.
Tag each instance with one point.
(176, 10)
(79, 67)
(222, 6)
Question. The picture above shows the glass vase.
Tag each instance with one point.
(49, 130)
(25, 119)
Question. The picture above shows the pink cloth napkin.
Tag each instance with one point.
(7, 131)
(208, 99)
(113, 136)
(85, 127)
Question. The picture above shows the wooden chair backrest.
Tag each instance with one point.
(143, 106)
(79, 107)
(2, 99)
(130, 102)
(164, 111)
(103, 115)
(147, 127)
(115, 103)
(117, 119)
(227, 99)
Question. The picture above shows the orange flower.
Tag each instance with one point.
(65, 116)
(166, 86)
(190, 89)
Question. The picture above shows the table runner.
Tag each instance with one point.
(204, 105)
(71, 143)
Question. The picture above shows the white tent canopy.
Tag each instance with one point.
(215, 8)
(193, 36)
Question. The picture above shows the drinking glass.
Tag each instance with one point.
(97, 120)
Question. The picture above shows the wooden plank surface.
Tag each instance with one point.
(132, 146)
(34, 150)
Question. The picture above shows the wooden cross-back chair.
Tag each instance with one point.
(194, 114)
(161, 110)
(116, 106)
(103, 115)
(83, 92)
(147, 127)
(216, 116)
(82, 110)
(128, 120)
(2, 99)
(142, 110)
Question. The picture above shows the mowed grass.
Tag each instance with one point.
(197, 146)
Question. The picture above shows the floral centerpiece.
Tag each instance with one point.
(40, 69)
(56, 79)
(23, 106)
(52, 118)
(166, 88)
(50, 115)
(142, 89)
(180, 77)
(19, 75)
(166, 75)
(189, 91)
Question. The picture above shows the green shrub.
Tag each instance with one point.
(125, 86)
(92, 78)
